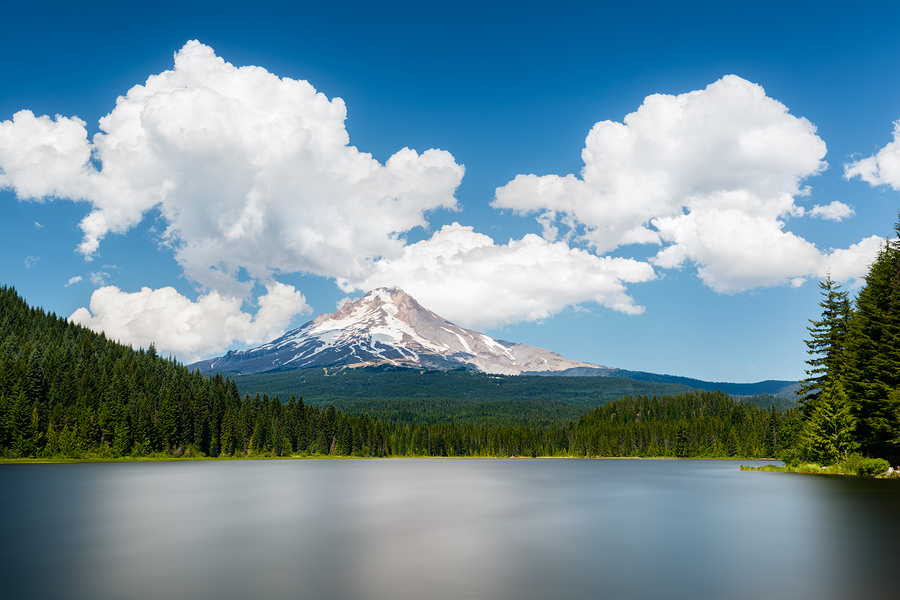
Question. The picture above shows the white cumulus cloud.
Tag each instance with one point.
(836, 211)
(467, 278)
(710, 176)
(249, 170)
(189, 330)
(882, 168)
(44, 158)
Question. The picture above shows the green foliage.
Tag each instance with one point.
(828, 432)
(407, 395)
(434, 411)
(852, 394)
(873, 466)
(874, 354)
(67, 392)
(826, 345)
(774, 387)
(854, 464)
(348, 386)
(694, 424)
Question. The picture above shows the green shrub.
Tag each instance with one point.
(873, 466)
(851, 465)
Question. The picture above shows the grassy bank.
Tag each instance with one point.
(854, 465)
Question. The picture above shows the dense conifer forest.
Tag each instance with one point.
(67, 392)
(851, 396)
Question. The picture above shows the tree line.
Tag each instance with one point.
(68, 392)
(851, 395)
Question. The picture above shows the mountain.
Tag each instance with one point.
(388, 327)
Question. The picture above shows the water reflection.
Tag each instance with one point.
(442, 529)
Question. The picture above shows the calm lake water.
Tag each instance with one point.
(444, 528)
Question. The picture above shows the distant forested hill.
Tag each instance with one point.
(321, 386)
(407, 395)
(782, 389)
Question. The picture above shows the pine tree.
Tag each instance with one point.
(773, 424)
(167, 420)
(827, 434)
(122, 434)
(873, 348)
(826, 346)
(227, 436)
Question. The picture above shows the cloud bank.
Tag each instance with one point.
(711, 176)
(190, 330)
(467, 278)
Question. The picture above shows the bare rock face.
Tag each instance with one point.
(388, 326)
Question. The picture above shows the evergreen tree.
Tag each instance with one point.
(773, 423)
(873, 348)
(122, 435)
(826, 345)
(827, 434)
(227, 436)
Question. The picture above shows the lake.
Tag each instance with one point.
(444, 528)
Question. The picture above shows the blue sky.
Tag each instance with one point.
(689, 243)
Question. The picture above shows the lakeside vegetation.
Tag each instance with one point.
(850, 399)
(855, 464)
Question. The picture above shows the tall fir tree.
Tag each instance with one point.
(826, 344)
(873, 352)
(828, 430)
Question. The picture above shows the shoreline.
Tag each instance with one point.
(815, 469)
(129, 459)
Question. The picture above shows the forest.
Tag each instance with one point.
(468, 395)
(850, 399)
(67, 392)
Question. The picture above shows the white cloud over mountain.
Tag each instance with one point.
(882, 168)
(191, 330)
(467, 278)
(710, 176)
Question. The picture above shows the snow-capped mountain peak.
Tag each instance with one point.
(388, 326)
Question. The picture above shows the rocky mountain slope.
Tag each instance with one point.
(388, 326)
